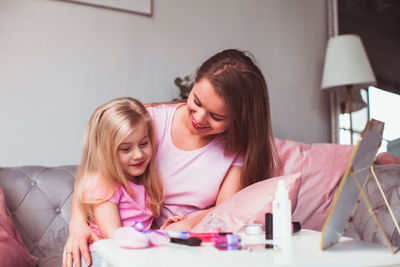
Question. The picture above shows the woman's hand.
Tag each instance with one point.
(80, 235)
(76, 244)
(182, 226)
(171, 220)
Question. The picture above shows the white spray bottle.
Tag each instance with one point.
(282, 212)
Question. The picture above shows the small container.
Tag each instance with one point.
(253, 229)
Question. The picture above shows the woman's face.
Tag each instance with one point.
(208, 113)
(135, 151)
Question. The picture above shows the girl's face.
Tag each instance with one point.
(135, 151)
(208, 113)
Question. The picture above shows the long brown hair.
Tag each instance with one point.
(238, 80)
(108, 126)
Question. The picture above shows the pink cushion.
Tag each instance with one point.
(13, 252)
(386, 158)
(251, 203)
(322, 166)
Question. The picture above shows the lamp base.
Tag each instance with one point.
(350, 109)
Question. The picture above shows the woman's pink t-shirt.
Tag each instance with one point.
(191, 178)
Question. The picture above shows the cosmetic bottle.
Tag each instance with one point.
(296, 227)
(269, 226)
(214, 224)
(281, 210)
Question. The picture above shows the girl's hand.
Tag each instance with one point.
(172, 220)
(77, 243)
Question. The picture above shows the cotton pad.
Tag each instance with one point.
(128, 237)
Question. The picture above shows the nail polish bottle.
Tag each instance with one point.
(269, 226)
(227, 242)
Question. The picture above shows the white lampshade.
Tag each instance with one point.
(346, 63)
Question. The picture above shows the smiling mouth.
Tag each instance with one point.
(138, 165)
(197, 126)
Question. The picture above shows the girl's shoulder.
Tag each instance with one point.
(97, 187)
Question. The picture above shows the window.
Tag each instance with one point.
(383, 106)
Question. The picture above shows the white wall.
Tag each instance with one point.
(60, 60)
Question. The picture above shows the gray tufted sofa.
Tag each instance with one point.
(39, 199)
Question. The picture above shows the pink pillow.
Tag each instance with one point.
(322, 167)
(386, 158)
(13, 251)
(251, 203)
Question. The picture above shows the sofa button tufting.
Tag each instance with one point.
(33, 183)
(58, 210)
(13, 213)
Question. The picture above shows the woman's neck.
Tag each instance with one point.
(182, 135)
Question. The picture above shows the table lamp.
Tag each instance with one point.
(347, 67)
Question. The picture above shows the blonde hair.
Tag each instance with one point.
(108, 126)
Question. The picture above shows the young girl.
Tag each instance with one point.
(117, 181)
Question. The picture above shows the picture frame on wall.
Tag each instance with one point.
(142, 7)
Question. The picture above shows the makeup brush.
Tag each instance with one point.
(192, 241)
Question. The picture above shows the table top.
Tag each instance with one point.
(301, 249)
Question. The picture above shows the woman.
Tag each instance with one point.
(208, 148)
